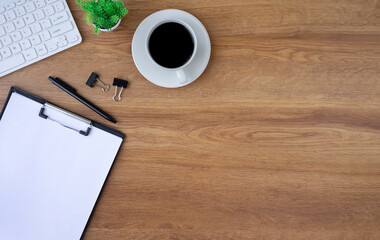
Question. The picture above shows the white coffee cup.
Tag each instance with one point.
(181, 71)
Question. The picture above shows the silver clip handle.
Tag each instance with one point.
(105, 87)
(118, 99)
(82, 119)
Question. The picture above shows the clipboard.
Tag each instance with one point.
(53, 165)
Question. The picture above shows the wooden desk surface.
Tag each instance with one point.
(278, 139)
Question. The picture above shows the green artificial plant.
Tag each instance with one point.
(103, 13)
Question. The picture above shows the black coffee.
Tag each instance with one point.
(171, 45)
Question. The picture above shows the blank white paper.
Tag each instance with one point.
(50, 176)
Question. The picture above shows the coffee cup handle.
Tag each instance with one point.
(182, 78)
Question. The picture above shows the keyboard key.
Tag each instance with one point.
(9, 27)
(2, 19)
(2, 9)
(6, 40)
(25, 44)
(36, 28)
(16, 48)
(26, 32)
(41, 49)
(51, 45)
(45, 36)
(50, 1)
(49, 10)
(20, 11)
(10, 15)
(29, 6)
(35, 39)
(11, 62)
(10, 6)
(30, 54)
(61, 38)
(2, 31)
(58, 6)
(29, 19)
(62, 28)
(40, 3)
(59, 17)
(62, 43)
(39, 14)
(19, 23)
(45, 23)
(6, 52)
(16, 36)
(19, 2)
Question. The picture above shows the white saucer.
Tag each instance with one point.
(158, 75)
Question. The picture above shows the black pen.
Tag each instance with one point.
(73, 92)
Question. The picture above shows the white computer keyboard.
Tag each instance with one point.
(31, 30)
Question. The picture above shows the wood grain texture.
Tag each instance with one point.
(278, 139)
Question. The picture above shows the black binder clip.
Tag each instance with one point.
(119, 83)
(92, 80)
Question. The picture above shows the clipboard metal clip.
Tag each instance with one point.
(82, 119)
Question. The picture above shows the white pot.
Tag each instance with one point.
(111, 29)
